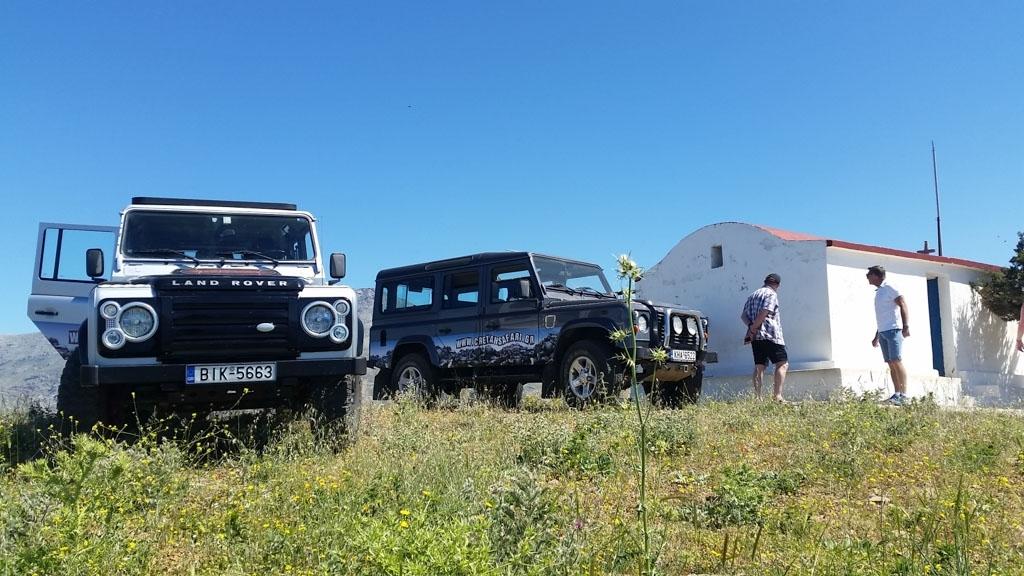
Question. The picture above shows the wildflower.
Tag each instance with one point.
(404, 512)
(403, 524)
(628, 268)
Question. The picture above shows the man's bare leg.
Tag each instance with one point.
(780, 378)
(758, 378)
(899, 376)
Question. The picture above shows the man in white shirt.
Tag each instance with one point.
(893, 319)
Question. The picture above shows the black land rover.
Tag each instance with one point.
(495, 321)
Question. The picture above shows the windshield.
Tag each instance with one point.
(212, 236)
(570, 275)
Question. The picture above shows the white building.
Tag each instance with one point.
(958, 351)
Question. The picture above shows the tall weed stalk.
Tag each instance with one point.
(631, 273)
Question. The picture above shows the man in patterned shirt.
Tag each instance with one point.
(764, 334)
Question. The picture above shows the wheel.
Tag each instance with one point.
(413, 375)
(84, 406)
(588, 374)
(507, 395)
(332, 401)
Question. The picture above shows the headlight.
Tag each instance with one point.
(640, 321)
(317, 319)
(339, 333)
(691, 325)
(110, 310)
(137, 321)
(113, 339)
(677, 325)
(342, 308)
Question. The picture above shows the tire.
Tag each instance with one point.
(85, 407)
(414, 375)
(588, 374)
(332, 401)
(507, 395)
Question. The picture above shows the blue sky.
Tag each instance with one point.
(422, 130)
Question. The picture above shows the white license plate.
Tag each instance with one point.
(683, 355)
(229, 373)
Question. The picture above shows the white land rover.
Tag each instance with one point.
(204, 305)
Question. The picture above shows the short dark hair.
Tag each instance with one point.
(773, 278)
(877, 271)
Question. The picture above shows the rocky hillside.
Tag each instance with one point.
(30, 368)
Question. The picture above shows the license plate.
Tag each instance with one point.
(683, 355)
(230, 373)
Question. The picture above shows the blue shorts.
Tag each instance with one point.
(891, 342)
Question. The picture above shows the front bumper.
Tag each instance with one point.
(171, 376)
(671, 371)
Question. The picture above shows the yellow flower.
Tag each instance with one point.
(404, 512)
(403, 524)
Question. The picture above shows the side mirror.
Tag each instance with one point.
(94, 263)
(337, 265)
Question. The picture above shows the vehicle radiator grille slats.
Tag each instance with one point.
(225, 331)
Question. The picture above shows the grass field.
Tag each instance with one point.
(737, 488)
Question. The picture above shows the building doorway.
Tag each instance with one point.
(935, 322)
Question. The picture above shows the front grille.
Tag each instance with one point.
(682, 341)
(223, 329)
(658, 326)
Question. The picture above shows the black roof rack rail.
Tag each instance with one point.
(151, 200)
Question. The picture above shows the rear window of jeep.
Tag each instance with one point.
(407, 295)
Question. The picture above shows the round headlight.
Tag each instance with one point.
(640, 321)
(677, 325)
(339, 333)
(691, 325)
(342, 308)
(110, 310)
(113, 339)
(137, 321)
(317, 319)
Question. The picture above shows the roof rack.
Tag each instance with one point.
(151, 200)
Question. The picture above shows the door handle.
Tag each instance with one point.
(46, 312)
(444, 331)
(492, 325)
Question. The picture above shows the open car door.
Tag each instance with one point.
(61, 287)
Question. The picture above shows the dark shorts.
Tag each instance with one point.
(765, 350)
(891, 343)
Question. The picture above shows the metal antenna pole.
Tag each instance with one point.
(938, 219)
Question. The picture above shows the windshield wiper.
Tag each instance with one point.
(561, 288)
(249, 253)
(595, 292)
(164, 252)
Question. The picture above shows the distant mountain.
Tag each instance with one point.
(30, 368)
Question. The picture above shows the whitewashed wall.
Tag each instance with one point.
(685, 276)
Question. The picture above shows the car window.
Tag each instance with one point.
(461, 289)
(510, 283)
(404, 295)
